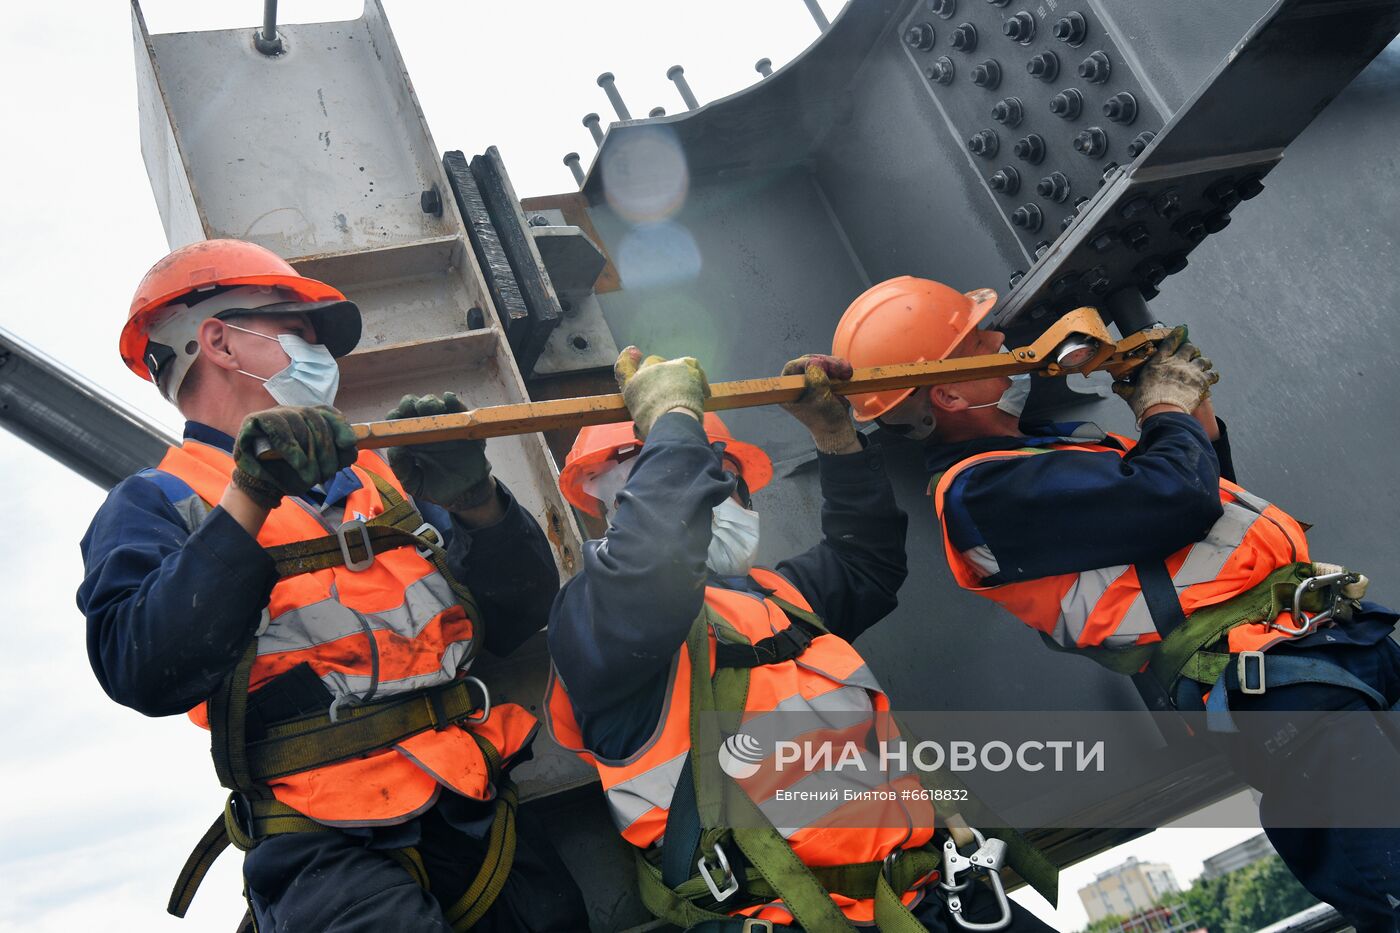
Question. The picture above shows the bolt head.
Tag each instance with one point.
(1103, 242)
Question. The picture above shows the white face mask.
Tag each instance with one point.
(733, 539)
(1013, 400)
(311, 376)
(606, 485)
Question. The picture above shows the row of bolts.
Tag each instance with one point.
(676, 74)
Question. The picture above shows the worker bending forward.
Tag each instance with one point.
(672, 590)
(1148, 557)
(317, 613)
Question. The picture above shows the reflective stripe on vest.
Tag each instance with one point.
(1106, 607)
(391, 628)
(829, 679)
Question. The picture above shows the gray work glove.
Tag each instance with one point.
(655, 385)
(1176, 374)
(310, 445)
(453, 474)
(824, 413)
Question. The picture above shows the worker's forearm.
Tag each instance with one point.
(249, 515)
(851, 577)
(487, 513)
(507, 565)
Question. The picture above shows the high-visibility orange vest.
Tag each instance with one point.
(1106, 607)
(391, 628)
(828, 677)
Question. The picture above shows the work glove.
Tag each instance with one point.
(1176, 374)
(310, 446)
(824, 413)
(655, 385)
(453, 474)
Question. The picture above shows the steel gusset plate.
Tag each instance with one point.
(1211, 156)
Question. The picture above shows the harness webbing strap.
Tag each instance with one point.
(495, 866)
(315, 741)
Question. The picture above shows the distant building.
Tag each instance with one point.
(1236, 857)
(1127, 890)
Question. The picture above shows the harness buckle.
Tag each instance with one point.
(988, 859)
(1242, 671)
(433, 538)
(731, 883)
(755, 925)
(351, 564)
(1331, 584)
(485, 709)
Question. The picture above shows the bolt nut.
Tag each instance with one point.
(1223, 192)
(920, 36)
(1065, 224)
(1137, 207)
(1071, 29)
(941, 71)
(983, 143)
(538, 220)
(1250, 186)
(1121, 108)
(1030, 149)
(1137, 237)
(430, 201)
(1140, 142)
(1006, 180)
(1104, 241)
(1016, 278)
(1174, 263)
(1093, 142)
(1216, 221)
(1040, 249)
(1028, 216)
(1150, 271)
(1097, 280)
(1095, 68)
(987, 74)
(1190, 228)
(1054, 186)
(964, 37)
(1019, 28)
(1008, 111)
(943, 8)
(476, 319)
(1045, 66)
(1167, 204)
(998, 2)
(1067, 104)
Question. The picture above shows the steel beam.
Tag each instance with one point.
(52, 408)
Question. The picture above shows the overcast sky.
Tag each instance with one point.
(101, 804)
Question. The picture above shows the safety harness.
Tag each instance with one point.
(1173, 673)
(704, 868)
(252, 814)
(1187, 662)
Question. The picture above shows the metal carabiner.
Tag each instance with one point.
(731, 883)
(989, 858)
(1332, 581)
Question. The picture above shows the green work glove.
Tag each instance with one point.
(655, 385)
(453, 474)
(311, 446)
(824, 413)
(1176, 374)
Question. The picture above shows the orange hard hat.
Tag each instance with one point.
(230, 263)
(598, 446)
(905, 320)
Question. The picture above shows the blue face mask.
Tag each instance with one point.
(311, 376)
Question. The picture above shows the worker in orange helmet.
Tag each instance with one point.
(318, 612)
(1147, 557)
(674, 588)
